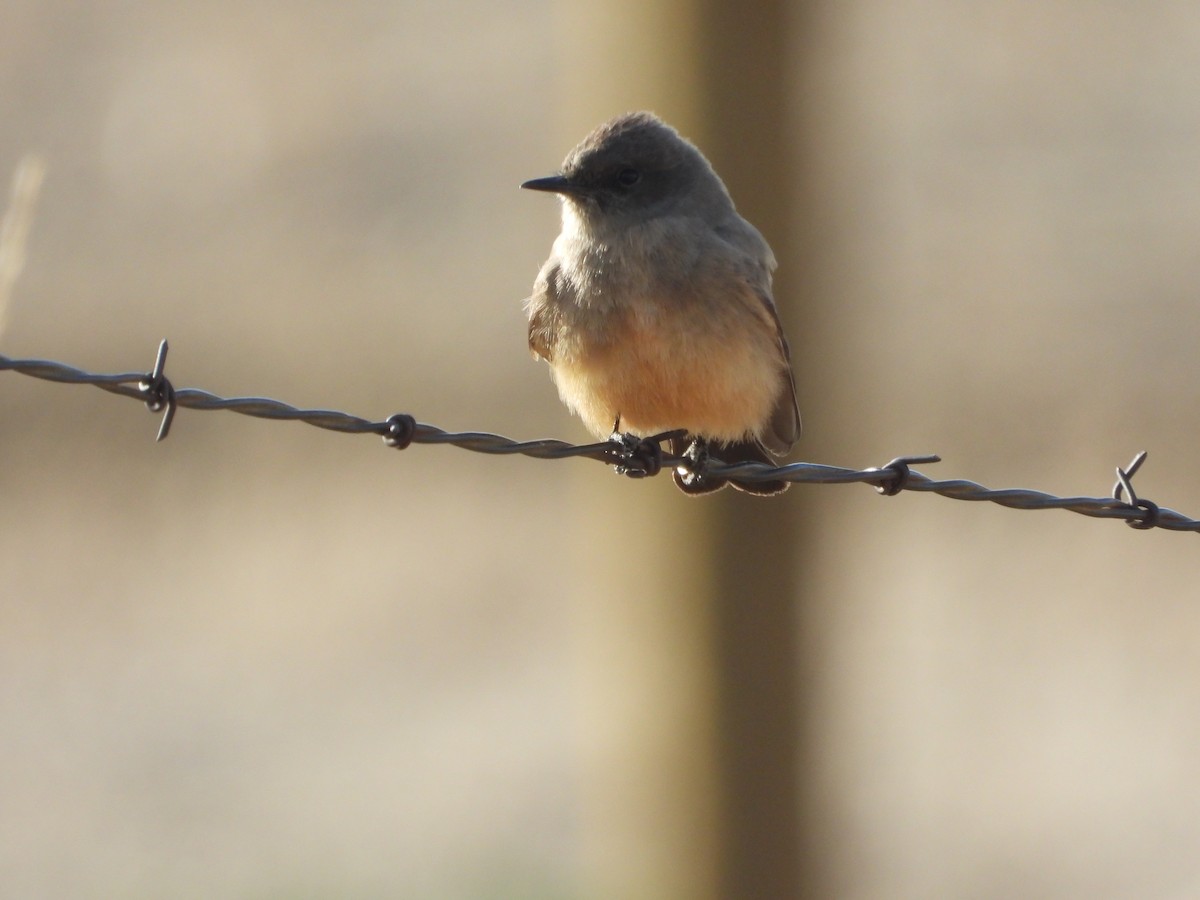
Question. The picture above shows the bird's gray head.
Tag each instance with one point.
(634, 168)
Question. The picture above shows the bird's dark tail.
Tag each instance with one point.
(738, 452)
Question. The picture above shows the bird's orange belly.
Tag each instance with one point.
(716, 382)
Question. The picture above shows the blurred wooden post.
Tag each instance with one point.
(747, 85)
(688, 618)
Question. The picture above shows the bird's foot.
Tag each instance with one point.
(692, 477)
(638, 457)
(696, 453)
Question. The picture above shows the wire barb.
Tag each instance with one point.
(160, 395)
(638, 458)
(1124, 486)
(1124, 479)
(899, 472)
(399, 430)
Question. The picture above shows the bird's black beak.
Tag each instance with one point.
(553, 184)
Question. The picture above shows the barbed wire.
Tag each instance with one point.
(631, 456)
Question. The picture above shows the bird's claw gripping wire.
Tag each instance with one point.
(898, 472)
(1124, 487)
(695, 465)
(637, 457)
(158, 391)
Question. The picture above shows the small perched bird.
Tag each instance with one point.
(654, 309)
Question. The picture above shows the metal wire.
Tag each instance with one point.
(630, 456)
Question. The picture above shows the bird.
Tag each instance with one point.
(655, 310)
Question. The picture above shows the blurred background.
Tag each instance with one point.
(261, 660)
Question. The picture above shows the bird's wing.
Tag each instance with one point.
(544, 315)
(784, 427)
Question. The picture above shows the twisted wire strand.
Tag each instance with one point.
(632, 457)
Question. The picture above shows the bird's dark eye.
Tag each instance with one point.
(628, 177)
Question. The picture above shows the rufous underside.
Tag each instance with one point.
(662, 366)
